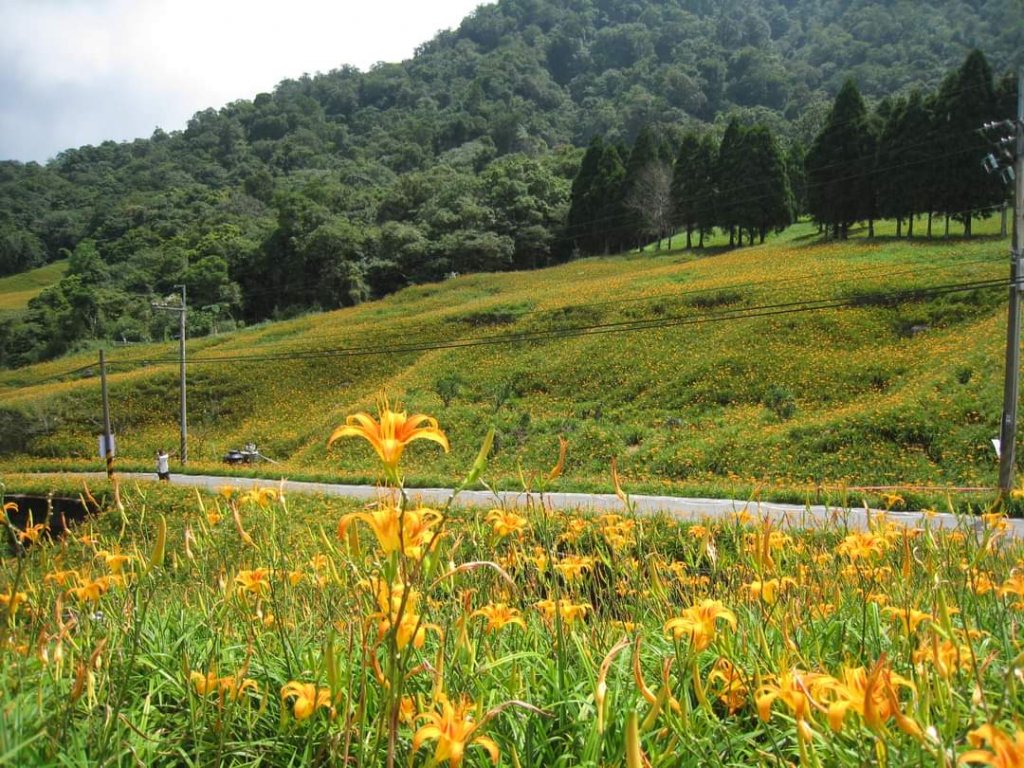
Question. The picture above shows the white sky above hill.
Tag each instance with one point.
(76, 72)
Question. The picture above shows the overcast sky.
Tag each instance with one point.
(76, 72)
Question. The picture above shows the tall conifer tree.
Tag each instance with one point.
(840, 163)
(766, 199)
(966, 100)
(730, 177)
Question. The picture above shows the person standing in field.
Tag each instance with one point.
(163, 466)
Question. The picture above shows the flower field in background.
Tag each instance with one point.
(713, 392)
(256, 629)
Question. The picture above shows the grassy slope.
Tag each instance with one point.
(849, 395)
(16, 290)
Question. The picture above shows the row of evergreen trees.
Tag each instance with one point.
(740, 185)
(913, 156)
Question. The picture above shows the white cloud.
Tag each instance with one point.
(134, 64)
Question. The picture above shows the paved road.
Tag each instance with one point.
(811, 516)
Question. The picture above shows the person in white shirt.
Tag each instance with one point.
(163, 465)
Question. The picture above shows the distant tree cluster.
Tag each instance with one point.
(740, 185)
(912, 156)
(915, 155)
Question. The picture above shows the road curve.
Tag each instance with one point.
(688, 509)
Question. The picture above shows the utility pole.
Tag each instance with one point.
(1011, 388)
(108, 443)
(183, 417)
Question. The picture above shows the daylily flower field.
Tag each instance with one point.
(257, 629)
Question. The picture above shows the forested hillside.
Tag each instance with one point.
(339, 187)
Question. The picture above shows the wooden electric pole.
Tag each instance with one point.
(108, 441)
(183, 416)
(1011, 388)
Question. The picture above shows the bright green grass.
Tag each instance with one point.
(16, 290)
(876, 394)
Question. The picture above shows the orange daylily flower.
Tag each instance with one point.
(92, 589)
(910, 617)
(61, 578)
(946, 656)
(454, 729)
(506, 523)
(232, 686)
(404, 619)
(114, 560)
(11, 600)
(730, 684)
(795, 689)
(572, 567)
(498, 615)
(308, 698)
(259, 496)
(698, 623)
(1003, 752)
(256, 581)
(863, 545)
(569, 612)
(769, 590)
(873, 696)
(1013, 586)
(32, 533)
(391, 434)
(408, 531)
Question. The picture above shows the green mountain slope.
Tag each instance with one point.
(344, 186)
(687, 369)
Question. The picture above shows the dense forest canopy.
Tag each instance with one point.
(347, 185)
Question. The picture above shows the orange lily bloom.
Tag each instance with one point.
(256, 581)
(572, 567)
(769, 590)
(873, 696)
(231, 687)
(569, 612)
(391, 434)
(114, 561)
(93, 589)
(308, 698)
(407, 531)
(1003, 751)
(698, 623)
(911, 618)
(498, 615)
(61, 578)
(731, 687)
(454, 729)
(795, 689)
(407, 624)
(32, 533)
(259, 496)
(1013, 586)
(863, 545)
(507, 523)
(946, 656)
(11, 601)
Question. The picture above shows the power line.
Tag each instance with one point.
(845, 279)
(747, 313)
